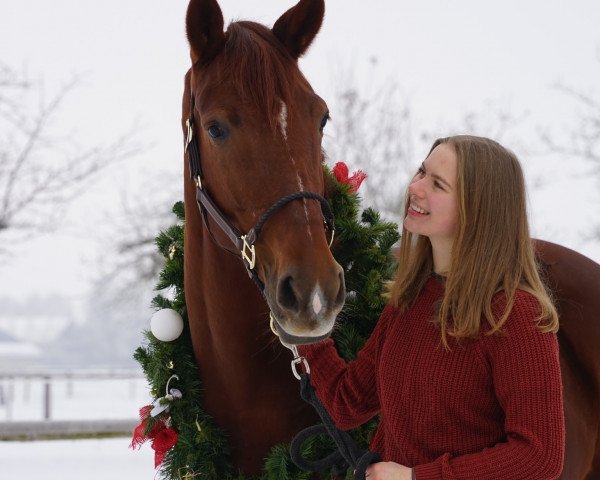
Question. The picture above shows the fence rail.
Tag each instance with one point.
(99, 374)
(65, 429)
(70, 403)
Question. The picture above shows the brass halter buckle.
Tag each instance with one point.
(248, 253)
(189, 134)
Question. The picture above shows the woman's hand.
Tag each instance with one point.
(388, 471)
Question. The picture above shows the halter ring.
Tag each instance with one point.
(332, 237)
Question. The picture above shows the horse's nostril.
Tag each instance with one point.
(286, 297)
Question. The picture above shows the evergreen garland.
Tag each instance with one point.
(362, 248)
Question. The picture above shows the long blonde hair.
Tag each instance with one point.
(492, 250)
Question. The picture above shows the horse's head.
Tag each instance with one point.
(259, 125)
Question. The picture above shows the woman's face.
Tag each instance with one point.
(433, 203)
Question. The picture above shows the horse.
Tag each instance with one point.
(574, 281)
(258, 124)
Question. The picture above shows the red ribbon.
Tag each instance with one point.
(163, 441)
(340, 171)
(163, 438)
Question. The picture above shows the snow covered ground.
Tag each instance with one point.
(74, 459)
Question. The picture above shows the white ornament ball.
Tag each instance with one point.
(166, 325)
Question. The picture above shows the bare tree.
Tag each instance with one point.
(496, 121)
(41, 171)
(379, 132)
(582, 141)
(131, 270)
(375, 132)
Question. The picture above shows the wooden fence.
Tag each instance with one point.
(49, 428)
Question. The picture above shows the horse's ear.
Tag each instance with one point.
(204, 28)
(297, 27)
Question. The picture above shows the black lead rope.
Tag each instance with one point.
(347, 455)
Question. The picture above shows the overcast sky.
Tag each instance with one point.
(449, 57)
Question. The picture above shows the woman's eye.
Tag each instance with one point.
(324, 121)
(216, 131)
(420, 172)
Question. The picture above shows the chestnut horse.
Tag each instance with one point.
(257, 126)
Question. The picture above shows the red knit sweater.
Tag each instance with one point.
(490, 408)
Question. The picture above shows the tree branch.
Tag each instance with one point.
(41, 172)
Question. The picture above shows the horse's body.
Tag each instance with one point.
(575, 283)
(258, 123)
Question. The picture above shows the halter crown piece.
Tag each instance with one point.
(243, 242)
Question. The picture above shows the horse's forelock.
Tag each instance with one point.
(261, 68)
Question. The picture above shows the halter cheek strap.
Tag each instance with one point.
(245, 243)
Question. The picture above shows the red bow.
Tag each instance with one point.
(340, 171)
(163, 438)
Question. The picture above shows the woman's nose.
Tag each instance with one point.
(416, 187)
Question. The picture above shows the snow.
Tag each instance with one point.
(10, 351)
(90, 459)
(76, 460)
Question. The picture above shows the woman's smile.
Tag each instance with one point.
(416, 211)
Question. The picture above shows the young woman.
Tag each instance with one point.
(462, 367)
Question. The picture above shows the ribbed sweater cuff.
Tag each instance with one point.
(316, 349)
(428, 471)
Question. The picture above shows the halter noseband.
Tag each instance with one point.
(244, 243)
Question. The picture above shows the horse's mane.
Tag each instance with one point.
(260, 67)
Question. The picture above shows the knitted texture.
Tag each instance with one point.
(490, 408)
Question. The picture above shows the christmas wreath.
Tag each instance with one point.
(186, 441)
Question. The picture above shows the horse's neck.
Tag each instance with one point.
(225, 306)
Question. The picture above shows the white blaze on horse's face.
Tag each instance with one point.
(283, 116)
(283, 120)
(317, 301)
(301, 189)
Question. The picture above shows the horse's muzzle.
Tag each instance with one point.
(288, 339)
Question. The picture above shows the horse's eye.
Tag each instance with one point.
(324, 121)
(216, 131)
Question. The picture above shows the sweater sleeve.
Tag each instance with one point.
(348, 390)
(525, 368)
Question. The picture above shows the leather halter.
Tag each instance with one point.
(245, 243)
